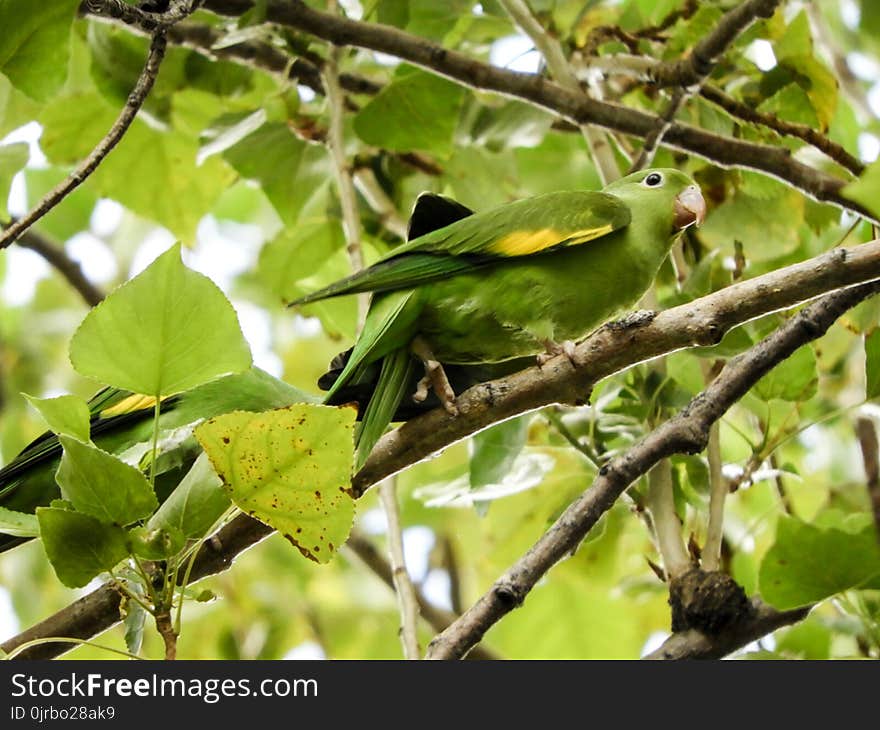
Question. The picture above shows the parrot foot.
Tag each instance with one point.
(435, 377)
(566, 348)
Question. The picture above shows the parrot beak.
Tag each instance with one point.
(689, 207)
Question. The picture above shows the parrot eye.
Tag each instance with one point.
(653, 180)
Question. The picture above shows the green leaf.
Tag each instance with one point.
(433, 20)
(100, 485)
(808, 564)
(794, 379)
(78, 546)
(495, 449)
(297, 253)
(72, 215)
(866, 190)
(65, 414)
(167, 330)
(288, 176)
(35, 44)
(797, 40)
(155, 543)
(135, 618)
(16, 108)
(416, 111)
(172, 189)
(872, 365)
(18, 524)
(290, 468)
(195, 505)
(13, 157)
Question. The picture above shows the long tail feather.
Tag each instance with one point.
(394, 379)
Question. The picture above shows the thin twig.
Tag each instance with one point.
(690, 73)
(560, 69)
(366, 182)
(867, 435)
(687, 432)
(803, 132)
(102, 149)
(718, 490)
(62, 263)
(335, 141)
(403, 587)
(438, 618)
(667, 526)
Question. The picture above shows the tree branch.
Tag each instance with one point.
(689, 73)
(439, 619)
(694, 644)
(89, 165)
(574, 106)
(867, 436)
(557, 63)
(407, 603)
(611, 349)
(62, 263)
(688, 432)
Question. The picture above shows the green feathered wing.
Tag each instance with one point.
(525, 228)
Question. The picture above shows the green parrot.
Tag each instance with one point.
(120, 419)
(525, 279)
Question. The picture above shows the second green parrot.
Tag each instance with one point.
(524, 279)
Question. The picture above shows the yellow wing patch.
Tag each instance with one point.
(128, 405)
(523, 243)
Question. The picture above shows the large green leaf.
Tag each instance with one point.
(416, 111)
(289, 175)
(807, 564)
(167, 330)
(172, 189)
(78, 546)
(100, 485)
(13, 157)
(290, 468)
(65, 414)
(794, 379)
(35, 44)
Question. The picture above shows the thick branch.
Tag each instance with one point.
(688, 432)
(575, 106)
(611, 349)
(693, 644)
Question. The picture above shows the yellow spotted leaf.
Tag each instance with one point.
(290, 468)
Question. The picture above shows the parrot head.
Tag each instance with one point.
(664, 194)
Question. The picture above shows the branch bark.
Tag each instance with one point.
(688, 432)
(574, 106)
(66, 266)
(611, 349)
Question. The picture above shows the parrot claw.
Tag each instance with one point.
(435, 377)
(566, 348)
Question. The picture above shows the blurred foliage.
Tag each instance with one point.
(229, 160)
